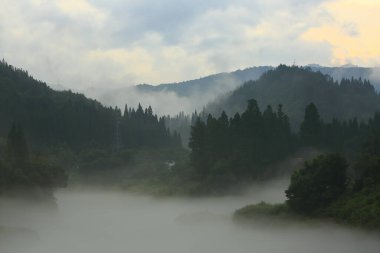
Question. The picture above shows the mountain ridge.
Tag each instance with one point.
(194, 94)
(295, 87)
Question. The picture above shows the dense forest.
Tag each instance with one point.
(241, 146)
(330, 187)
(78, 134)
(62, 118)
(25, 172)
(342, 183)
(295, 87)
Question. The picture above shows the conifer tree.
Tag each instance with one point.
(311, 127)
(199, 158)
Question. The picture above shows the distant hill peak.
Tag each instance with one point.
(349, 66)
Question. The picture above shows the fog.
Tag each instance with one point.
(188, 96)
(162, 102)
(172, 99)
(107, 221)
(375, 77)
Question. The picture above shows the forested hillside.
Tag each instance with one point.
(295, 87)
(64, 118)
(240, 147)
(342, 183)
(25, 172)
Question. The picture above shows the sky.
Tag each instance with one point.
(81, 44)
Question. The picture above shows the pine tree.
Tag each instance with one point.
(199, 157)
(311, 127)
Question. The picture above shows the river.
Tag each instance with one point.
(95, 221)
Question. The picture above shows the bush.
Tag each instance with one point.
(261, 209)
(360, 208)
(318, 184)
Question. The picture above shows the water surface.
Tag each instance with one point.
(106, 221)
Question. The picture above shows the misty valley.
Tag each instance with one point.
(108, 221)
(283, 159)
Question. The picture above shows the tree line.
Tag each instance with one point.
(22, 171)
(240, 147)
(64, 118)
(296, 87)
(326, 187)
(227, 149)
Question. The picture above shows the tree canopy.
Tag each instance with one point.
(56, 118)
(318, 184)
(240, 146)
(296, 87)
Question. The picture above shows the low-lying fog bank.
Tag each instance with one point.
(99, 221)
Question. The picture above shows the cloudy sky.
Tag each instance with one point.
(111, 43)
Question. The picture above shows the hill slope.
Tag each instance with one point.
(52, 118)
(195, 94)
(187, 96)
(295, 87)
(212, 83)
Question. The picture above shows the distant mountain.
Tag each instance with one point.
(223, 81)
(350, 71)
(212, 83)
(172, 98)
(295, 87)
(193, 95)
(231, 80)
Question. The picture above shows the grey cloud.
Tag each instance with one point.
(180, 39)
(168, 18)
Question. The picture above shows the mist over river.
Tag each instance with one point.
(94, 221)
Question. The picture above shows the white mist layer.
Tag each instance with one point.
(98, 222)
(375, 77)
(163, 102)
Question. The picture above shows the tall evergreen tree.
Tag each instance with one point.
(242, 146)
(197, 143)
(311, 127)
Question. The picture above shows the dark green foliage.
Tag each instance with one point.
(346, 137)
(311, 127)
(21, 171)
(367, 167)
(296, 87)
(321, 190)
(318, 184)
(262, 209)
(359, 208)
(45, 174)
(360, 205)
(142, 129)
(52, 118)
(17, 153)
(227, 149)
(198, 146)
